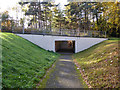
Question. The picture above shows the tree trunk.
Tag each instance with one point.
(60, 28)
(97, 18)
(39, 15)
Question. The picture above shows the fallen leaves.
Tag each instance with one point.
(100, 67)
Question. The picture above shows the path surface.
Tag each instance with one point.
(64, 75)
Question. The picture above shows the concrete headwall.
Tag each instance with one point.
(48, 42)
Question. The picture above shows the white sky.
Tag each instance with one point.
(7, 4)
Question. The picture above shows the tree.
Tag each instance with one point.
(7, 22)
(78, 12)
(42, 14)
(114, 18)
(58, 19)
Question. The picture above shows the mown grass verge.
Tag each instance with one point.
(23, 63)
(42, 83)
(80, 77)
(99, 65)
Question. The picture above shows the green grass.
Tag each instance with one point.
(81, 78)
(100, 64)
(23, 63)
(43, 82)
(113, 38)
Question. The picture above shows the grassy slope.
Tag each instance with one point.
(24, 64)
(99, 65)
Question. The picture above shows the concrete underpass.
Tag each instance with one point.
(65, 46)
(62, 43)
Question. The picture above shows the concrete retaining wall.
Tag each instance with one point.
(48, 42)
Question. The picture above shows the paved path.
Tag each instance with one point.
(64, 75)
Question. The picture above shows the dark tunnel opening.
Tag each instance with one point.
(65, 46)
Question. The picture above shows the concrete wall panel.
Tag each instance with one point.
(48, 42)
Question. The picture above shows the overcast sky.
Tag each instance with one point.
(7, 4)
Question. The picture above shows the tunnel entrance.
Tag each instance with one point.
(65, 46)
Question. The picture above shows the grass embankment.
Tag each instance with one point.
(24, 64)
(99, 65)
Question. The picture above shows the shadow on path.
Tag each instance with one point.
(64, 75)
